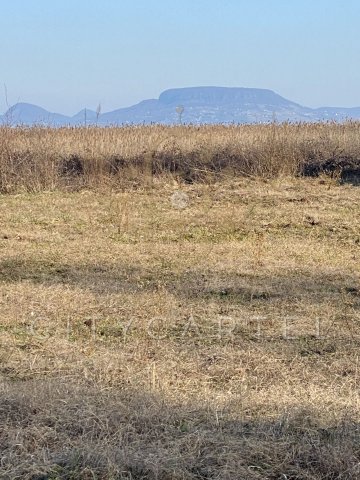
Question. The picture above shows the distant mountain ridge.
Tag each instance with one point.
(200, 105)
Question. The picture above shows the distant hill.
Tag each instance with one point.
(201, 105)
(84, 116)
(27, 114)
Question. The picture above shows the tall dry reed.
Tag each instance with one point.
(38, 158)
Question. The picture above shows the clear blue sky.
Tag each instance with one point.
(67, 54)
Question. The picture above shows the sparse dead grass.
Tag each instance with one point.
(142, 341)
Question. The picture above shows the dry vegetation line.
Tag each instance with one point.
(36, 159)
(163, 317)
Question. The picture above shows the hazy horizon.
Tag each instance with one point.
(65, 57)
(102, 111)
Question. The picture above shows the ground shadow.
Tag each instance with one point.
(57, 429)
(346, 169)
(218, 286)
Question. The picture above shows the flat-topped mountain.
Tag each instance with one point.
(222, 95)
(200, 105)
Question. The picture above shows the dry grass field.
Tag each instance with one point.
(180, 303)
